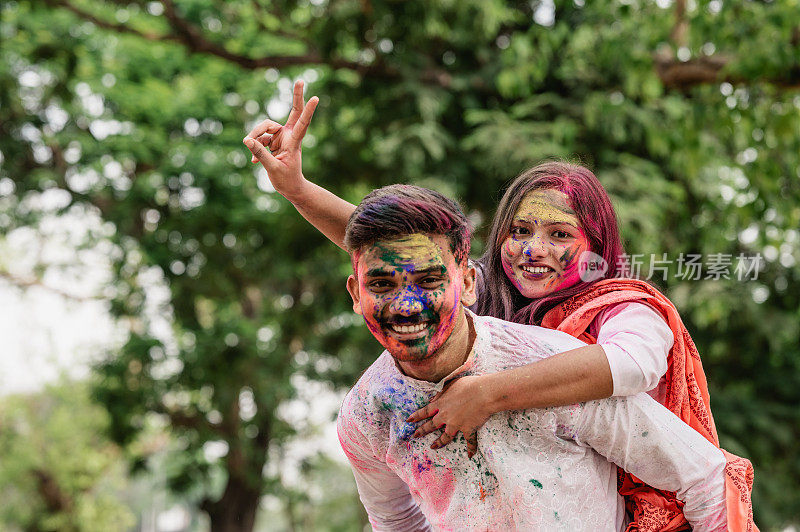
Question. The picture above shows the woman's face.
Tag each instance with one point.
(542, 250)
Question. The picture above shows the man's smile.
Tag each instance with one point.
(409, 291)
(408, 329)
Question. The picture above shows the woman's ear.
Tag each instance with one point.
(352, 287)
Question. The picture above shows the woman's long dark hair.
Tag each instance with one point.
(597, 219)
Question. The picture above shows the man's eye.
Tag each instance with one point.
(379, 285)
(429, 282)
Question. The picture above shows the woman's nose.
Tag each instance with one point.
(534, 248)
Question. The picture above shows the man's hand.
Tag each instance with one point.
(463, 406)
(277, 147)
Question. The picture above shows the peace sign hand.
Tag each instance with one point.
(277, 147)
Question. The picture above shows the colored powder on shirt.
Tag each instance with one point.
(442, 481)
(404, 402)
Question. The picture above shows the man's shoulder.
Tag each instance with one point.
(531, 341)
(357, 401)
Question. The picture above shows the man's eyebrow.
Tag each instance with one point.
(433, 269)
(380, 272)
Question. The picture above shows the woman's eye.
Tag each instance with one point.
(519, 231)
(561, 234)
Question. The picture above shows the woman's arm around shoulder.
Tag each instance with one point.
(574, 376)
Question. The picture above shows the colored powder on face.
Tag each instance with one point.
(539, 215)
(571, 272)
(412, 301)
(412, 251)
(546, 206)
(568, 255)
(400, 259)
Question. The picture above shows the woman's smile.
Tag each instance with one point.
(540, 254)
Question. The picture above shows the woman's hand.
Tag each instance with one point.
(463, 406)
(581, 374)
(282, 160)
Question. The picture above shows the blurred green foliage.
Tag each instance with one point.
(325, 499)
(137, 109)
(58, 469)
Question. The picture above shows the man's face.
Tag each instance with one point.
(409, 290)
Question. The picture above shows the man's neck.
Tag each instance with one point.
(448, 358)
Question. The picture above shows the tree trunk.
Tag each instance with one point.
(236, 510)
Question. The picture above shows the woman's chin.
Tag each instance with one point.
(537, 294)
(535, 290)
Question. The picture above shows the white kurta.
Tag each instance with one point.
(539, 469)
(636, 341)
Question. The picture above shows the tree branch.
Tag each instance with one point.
(680, 31)
(30, 282)
(54, 497)
(195, 41)
(683, 75)
(121, 28)
(674, 74)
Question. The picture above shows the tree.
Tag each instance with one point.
(58, 472)
(689, 115)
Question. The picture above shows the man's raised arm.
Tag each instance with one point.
(278, 148)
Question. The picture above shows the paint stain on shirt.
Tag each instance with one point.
(402, 402)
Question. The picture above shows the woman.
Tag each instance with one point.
(552, 223)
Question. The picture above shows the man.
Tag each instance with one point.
(548, 469)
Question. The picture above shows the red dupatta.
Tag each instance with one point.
(686, 396)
